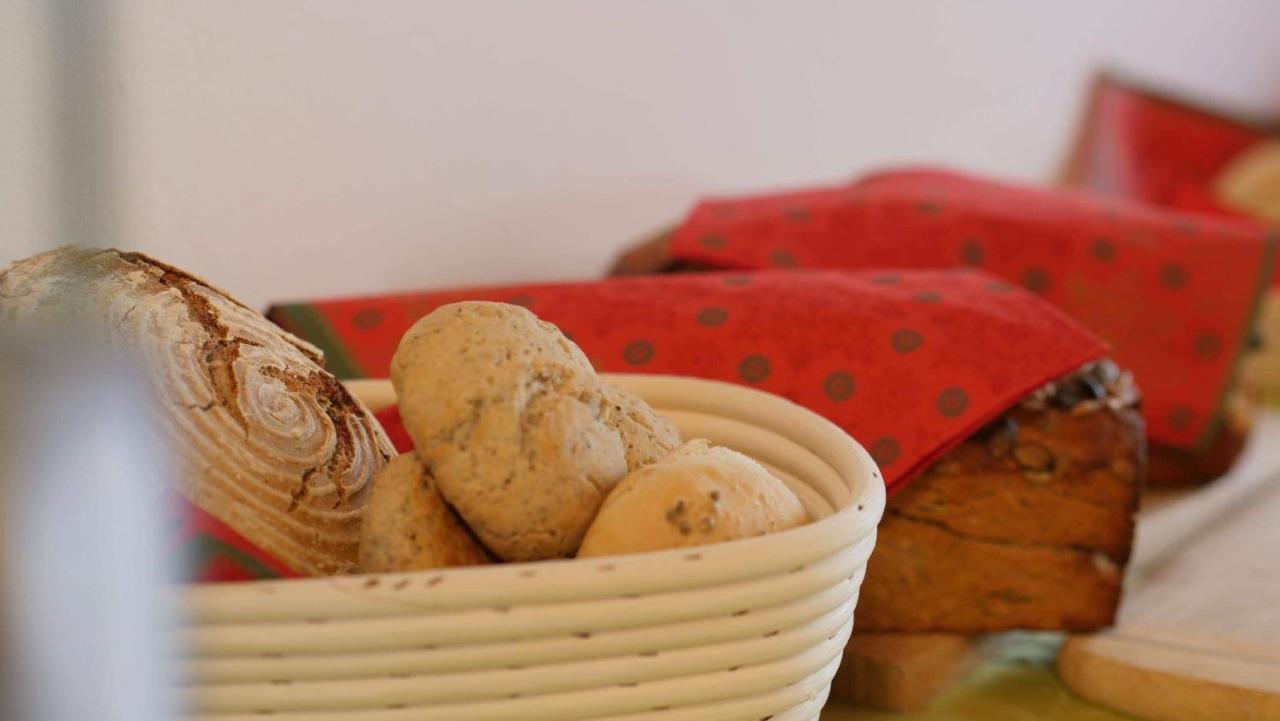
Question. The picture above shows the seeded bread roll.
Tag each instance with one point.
(512, 422)
(271, 444)
(646, 434)
(408, 526)
(696, 495)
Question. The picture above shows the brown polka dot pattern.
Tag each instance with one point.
(971, 252)
(1103, 250)
(906, 340)
(999, 287)
(796, 214)
(737, 280)
(712, 241)
(638, 352)
(754, 368)
(928, 296)
(712, 316)
(1181, 417)
(884, 451)
(1036, 280)
(952, 402)
(886, 279)
(782, 258)
(1173, 276)
(367, 318)
(1208, 345)
(839, 386)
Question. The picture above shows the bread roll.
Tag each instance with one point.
(512, 422)
(646, 434)
(272, 444)
(1250, 183)
(408, 526)
(698, 494)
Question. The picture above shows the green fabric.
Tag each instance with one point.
(204, 548)
(1017, 683)
(304, 321)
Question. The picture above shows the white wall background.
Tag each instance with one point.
(315, 147)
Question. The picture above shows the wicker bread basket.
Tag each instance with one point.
(749, 629)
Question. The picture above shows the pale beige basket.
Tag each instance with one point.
(750, 629)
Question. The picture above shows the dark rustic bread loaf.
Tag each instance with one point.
(1027, 524)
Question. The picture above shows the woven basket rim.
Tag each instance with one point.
(852, 522)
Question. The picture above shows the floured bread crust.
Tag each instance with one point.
(272, 444)
(697, 495)
(512, 422)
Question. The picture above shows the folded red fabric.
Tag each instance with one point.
(212, 552)
(909, 363)
(1140, 144)
(1175, 295)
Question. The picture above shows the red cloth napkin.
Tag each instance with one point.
(1139, 144)
(212, 552)
(1175, 295)
(909, 363)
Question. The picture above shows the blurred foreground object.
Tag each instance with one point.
(84, 626)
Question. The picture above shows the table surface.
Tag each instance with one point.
(1018, 683)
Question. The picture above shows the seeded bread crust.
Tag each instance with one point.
(512, 422)
(408, 526)
(646, 434)
(1027, 524)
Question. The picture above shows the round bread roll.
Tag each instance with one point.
(698, 494)
(1250, 183)
(511, 420)
(646, 434)
(272, 444)
(408, 526)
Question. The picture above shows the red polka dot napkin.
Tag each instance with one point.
(1175, 295)
(1140, 144)
(909, 363)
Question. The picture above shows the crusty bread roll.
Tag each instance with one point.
(273, 445)
(698, 494)
(408, 526)
(512, 422)
(646, 434)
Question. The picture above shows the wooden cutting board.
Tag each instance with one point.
(1199, 636)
